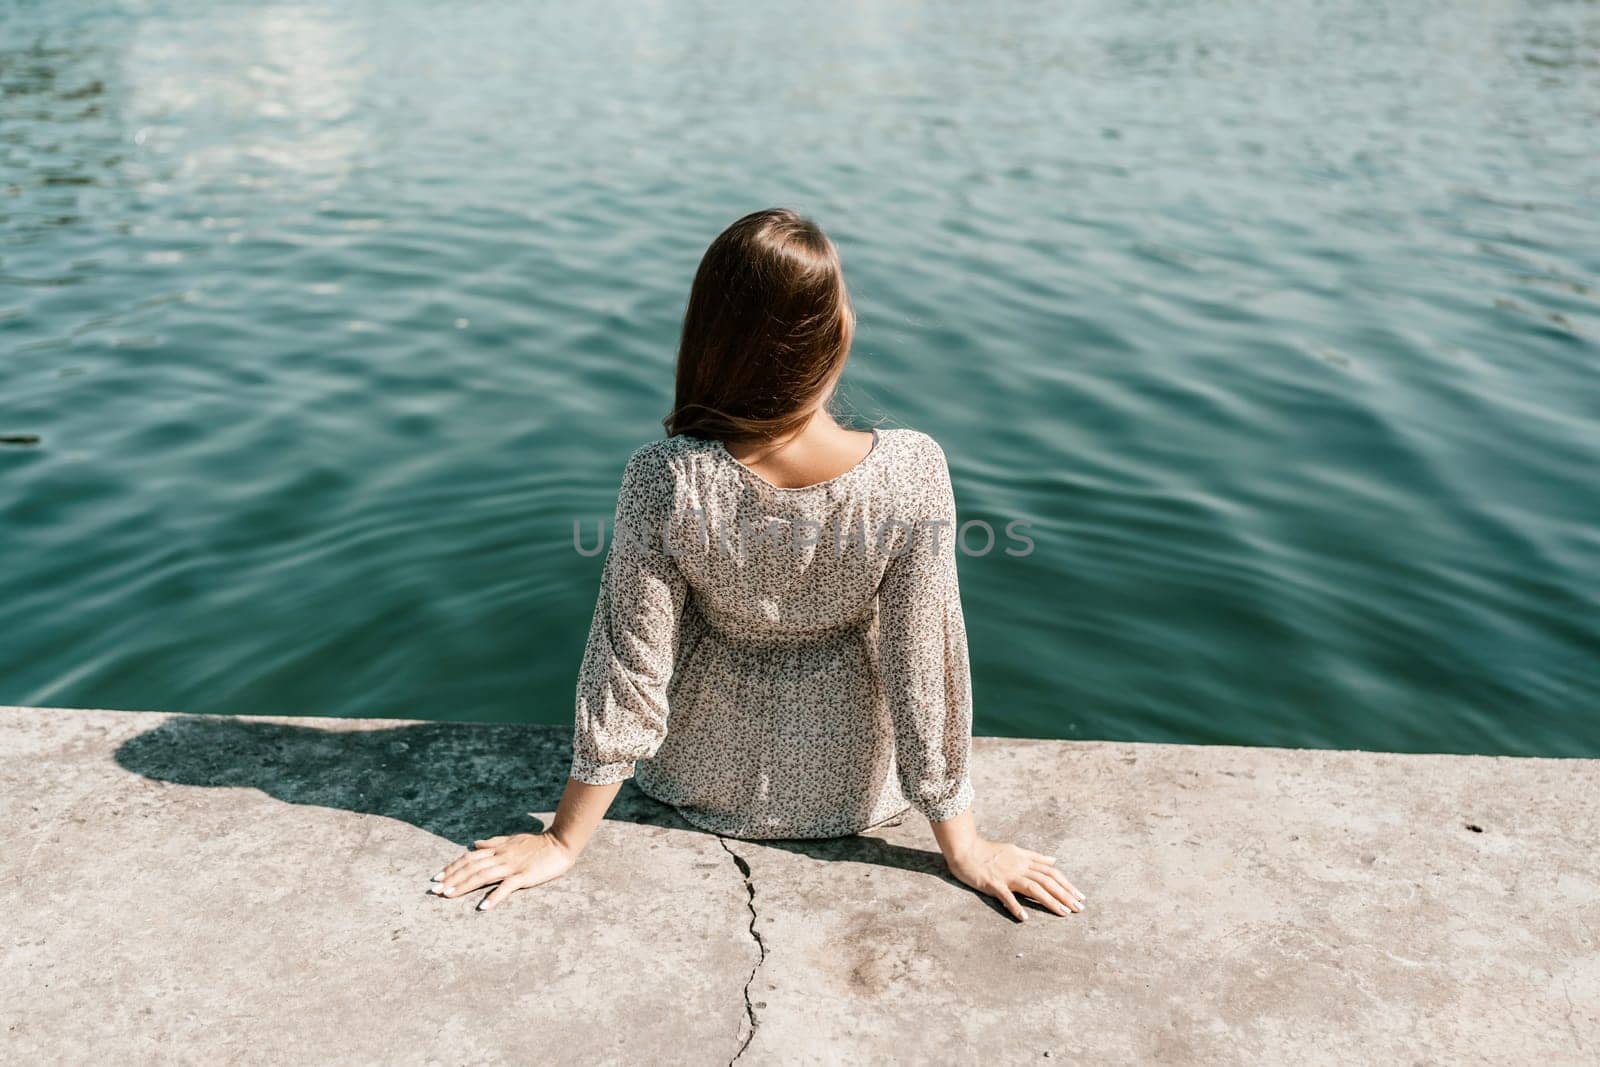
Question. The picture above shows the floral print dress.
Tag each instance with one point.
(781, 662)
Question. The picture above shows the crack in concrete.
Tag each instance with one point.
(761, 945)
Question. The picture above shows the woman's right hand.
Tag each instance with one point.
(1003, 871)
(519, 861)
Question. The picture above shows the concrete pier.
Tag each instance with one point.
(205, 889)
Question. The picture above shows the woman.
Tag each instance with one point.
(786, 587)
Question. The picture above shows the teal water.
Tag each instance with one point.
(1278, 321)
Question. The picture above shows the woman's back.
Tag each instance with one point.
(764, 560)
(807, 642)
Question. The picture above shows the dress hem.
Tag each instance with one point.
(706, 825)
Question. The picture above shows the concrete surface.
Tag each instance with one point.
(211, 889)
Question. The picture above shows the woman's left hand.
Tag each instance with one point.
(516, 862)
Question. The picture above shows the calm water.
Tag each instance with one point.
(1278, 321)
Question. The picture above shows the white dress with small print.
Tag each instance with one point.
(781, 662)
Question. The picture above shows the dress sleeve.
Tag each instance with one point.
(633, 636)
(922, 641)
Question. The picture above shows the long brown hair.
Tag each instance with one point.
(767, 330)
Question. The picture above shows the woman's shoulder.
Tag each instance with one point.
(912, 447)
(657, 459)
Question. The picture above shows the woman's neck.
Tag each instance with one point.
(821, 449)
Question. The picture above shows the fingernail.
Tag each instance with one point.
(483, 905)
(438, 877)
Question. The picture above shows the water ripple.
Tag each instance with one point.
(325, 321)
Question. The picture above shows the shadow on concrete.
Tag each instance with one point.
(458, 783)
(866, 849)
